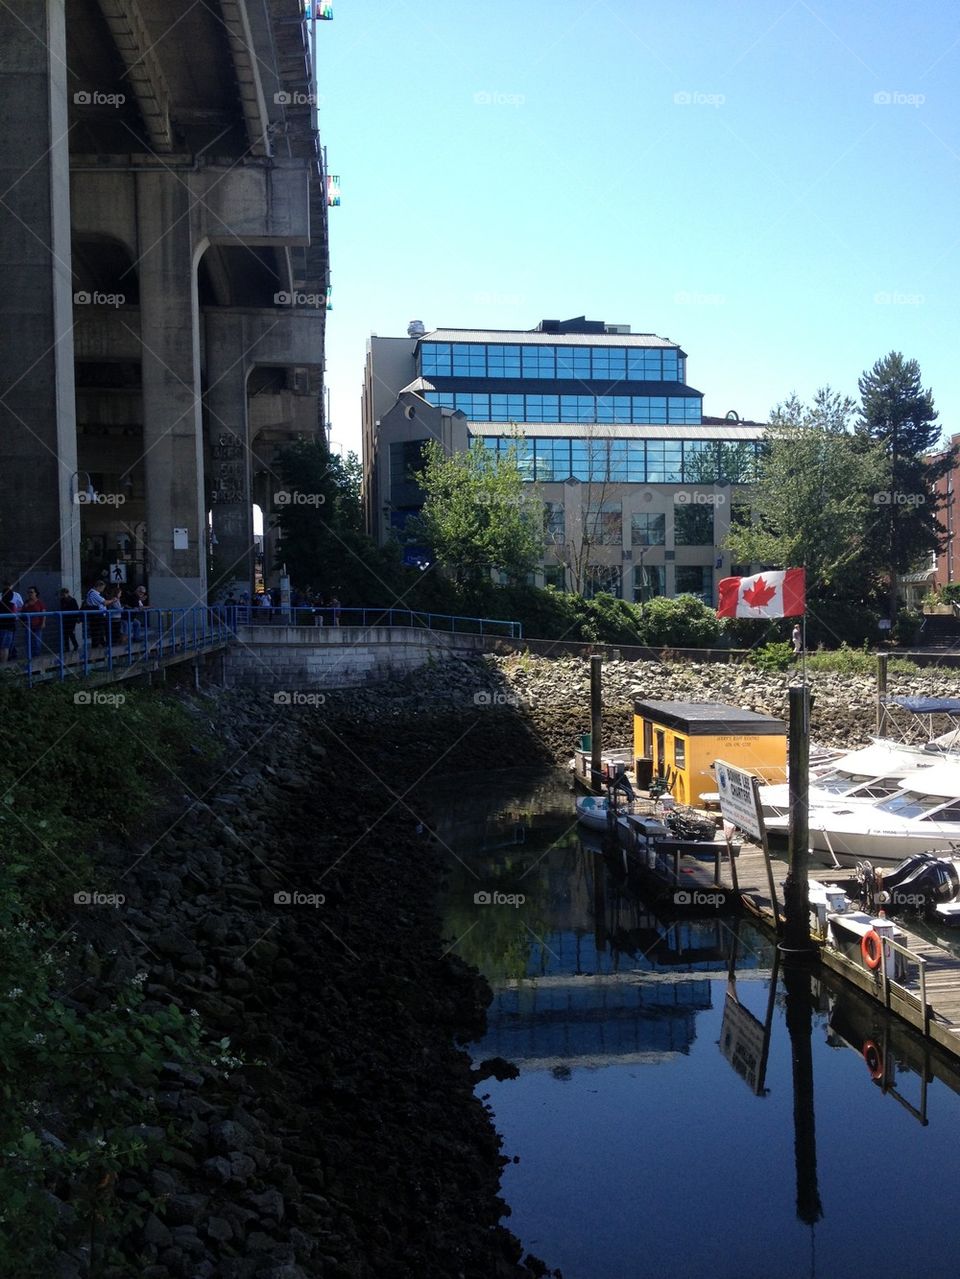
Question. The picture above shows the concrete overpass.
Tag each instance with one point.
(163, 238)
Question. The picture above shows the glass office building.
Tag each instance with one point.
(602, 420)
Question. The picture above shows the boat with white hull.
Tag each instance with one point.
(864, 776)
(923, 816)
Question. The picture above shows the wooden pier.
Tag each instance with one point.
(936, 1015)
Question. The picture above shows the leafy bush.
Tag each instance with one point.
(684, 622)
(772, 657)
(74, 773)
(906, 628)
(845, 661)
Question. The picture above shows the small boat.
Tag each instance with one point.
(923, 816)
(862, 776)
(593, 810)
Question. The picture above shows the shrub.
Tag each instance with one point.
(772, 657)
(906, 628)
(684, 622)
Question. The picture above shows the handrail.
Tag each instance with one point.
(888, 980)
(69, 643)
(372, 615)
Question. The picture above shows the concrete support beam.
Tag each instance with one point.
(172, 429)
(107, 333)
(39, 521)
(143, 71)
(247, 69)
(228, 366)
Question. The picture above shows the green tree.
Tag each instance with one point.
(316, 507)
(479, 514)
(897, 417)
(813, 497)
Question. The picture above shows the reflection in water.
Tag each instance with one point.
(634, 1036)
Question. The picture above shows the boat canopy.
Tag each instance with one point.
(878, 761)
(941, 779)
(926, 705)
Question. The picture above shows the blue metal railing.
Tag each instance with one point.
(61, 645)
(326, 615)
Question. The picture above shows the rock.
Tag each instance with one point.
(269, 1204)
(219, 1228)
(155, 1232)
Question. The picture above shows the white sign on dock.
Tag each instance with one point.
(737, 802)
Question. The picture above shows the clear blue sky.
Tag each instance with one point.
(773, 185)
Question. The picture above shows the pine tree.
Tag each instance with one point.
(897, 414)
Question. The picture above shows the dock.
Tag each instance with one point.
(930, 1005)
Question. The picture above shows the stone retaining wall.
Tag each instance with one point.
(309, 657)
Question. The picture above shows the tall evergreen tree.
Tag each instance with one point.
(812, 498)
(897, 415)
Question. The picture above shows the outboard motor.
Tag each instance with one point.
(920, 882)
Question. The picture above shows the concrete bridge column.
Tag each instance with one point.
(39, 519)
(230, 469)
(172, 429)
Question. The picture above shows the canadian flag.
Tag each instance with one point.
(776, 594)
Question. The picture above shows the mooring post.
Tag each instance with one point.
(596, 721)
(881, 694)
(796, 888)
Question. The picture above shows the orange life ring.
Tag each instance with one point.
(871, 948)
(874, 1059)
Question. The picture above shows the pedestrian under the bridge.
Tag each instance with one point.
(36, 608)
(8, 623)
(69, 605)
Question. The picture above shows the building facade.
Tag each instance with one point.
(640, 488)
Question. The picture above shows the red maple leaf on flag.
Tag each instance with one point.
(759, 594)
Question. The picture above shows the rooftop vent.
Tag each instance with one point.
(416, 329)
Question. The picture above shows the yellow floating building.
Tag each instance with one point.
(682, 739)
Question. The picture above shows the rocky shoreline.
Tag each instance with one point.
(293, 908)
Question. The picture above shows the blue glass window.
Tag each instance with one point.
(573, 362)
(507, 408)
(553, 459)
(443, 399)
(469, 360)
(663, 461)
(538, 361)
(503, 361)
(435, 359)
(542, 408)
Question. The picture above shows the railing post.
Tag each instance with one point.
(923, 994)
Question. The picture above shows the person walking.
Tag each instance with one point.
(8, 623)
(68, 606)
(796, 640)
(36, 608)
(95, 602)
(17, 601)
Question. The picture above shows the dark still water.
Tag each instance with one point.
(684, 1108)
